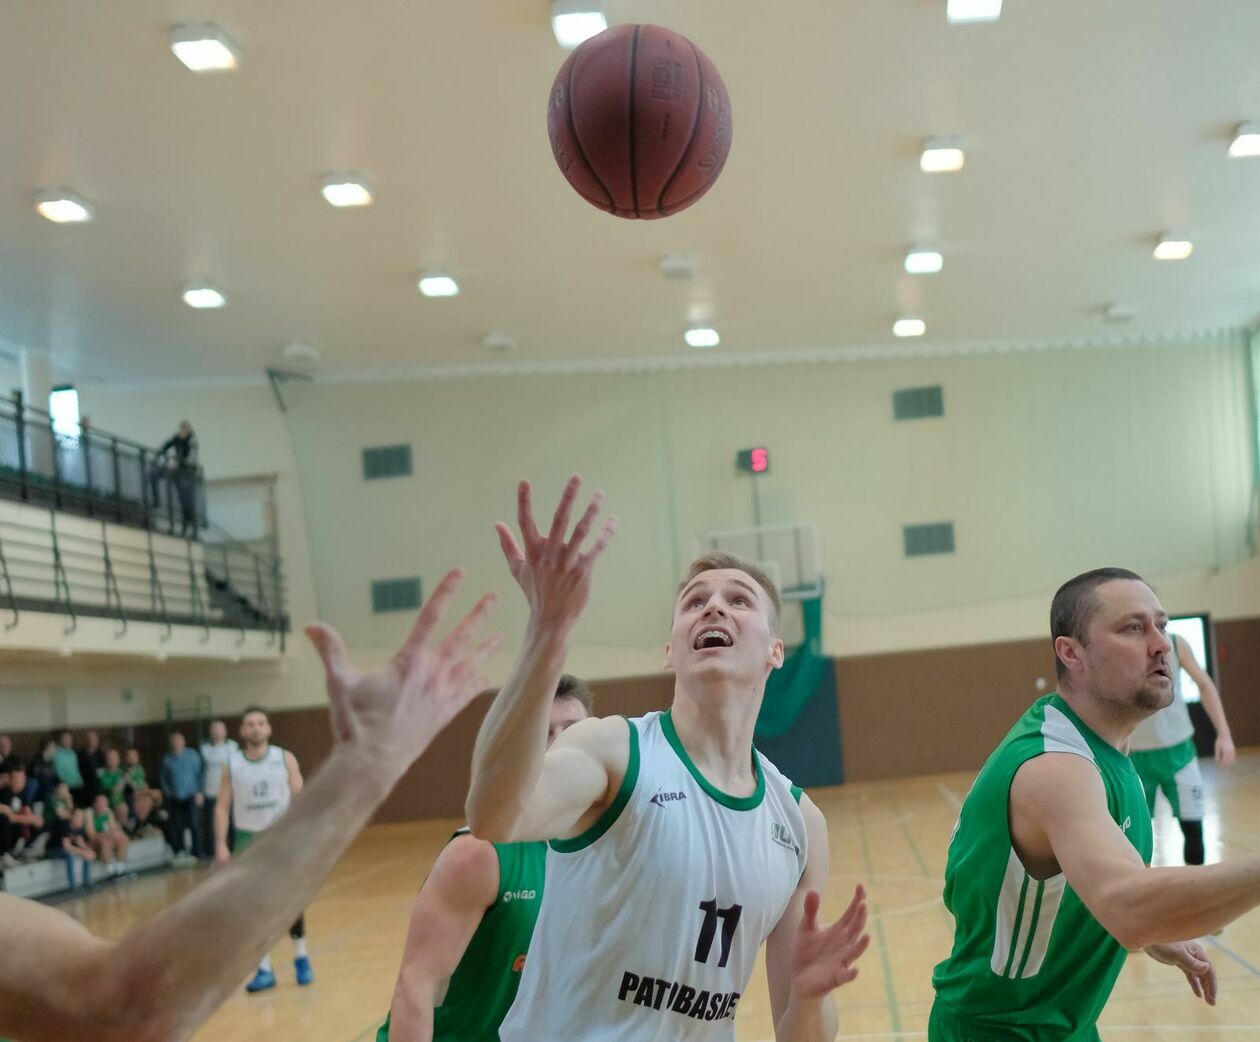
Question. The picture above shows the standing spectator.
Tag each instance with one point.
(214, 757)
(91, 760)
(184, 462)
(111, 782)
(181, 788)
(71, 844)
(66, 763)
(6, 752)
(107, 839)
(43, 771)
(23, 824)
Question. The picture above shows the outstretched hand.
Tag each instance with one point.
(1190, 958)
(554, 572)
(823, 956)
(393, 712)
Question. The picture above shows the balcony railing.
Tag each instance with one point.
(92, 473)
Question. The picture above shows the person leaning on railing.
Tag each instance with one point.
(183, 472)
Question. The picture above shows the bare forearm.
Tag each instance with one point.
(1160, 905)
(411, 1011)
(508, 756)
(222, 810)
(807, 1020)
(239, 911)
(1213, 707)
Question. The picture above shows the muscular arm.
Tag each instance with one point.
(1059, 820)
(444, 916)
(1211, 702)
(796, 1018)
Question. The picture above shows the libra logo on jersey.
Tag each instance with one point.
(663, 797)
(782, 835)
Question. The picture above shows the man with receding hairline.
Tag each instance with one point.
(1048, 875)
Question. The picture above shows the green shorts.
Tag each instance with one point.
(945, 1026)
(242, 839)
(1175, 771)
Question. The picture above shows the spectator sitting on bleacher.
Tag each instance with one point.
(22, 832)
(110, 778)
(66, 763)
(149, 819)
(91, 760)
(135, 781)
(43, 772)
(60, 805)
(107, 839)
(71, 844)
(181, 788)
(122, 815)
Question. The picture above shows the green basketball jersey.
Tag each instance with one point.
(1029, 962)
(483, 986)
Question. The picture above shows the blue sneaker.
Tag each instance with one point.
(263, 980)
(305, 975)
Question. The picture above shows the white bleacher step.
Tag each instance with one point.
(41, 878)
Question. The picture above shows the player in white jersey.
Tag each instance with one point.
(1162, 750)
(678, 849)
(259, 781)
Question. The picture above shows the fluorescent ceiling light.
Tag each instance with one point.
(204, 296)
(942, 156)
(1246, 141)
(436, 285)
(702, 336)
(922, 260)
(959, 12)
(204, 48)
(575, 22)
(63, 207)
(1118, 313)
(909, 327)
(1173, 247)
(346, 190)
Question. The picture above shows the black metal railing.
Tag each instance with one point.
(95, 474)
(130, 578)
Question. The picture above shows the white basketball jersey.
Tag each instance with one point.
(260, 788)
(1172, 724)
(652, 919)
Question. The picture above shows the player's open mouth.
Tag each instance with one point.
(1162, 671)
(713, 638)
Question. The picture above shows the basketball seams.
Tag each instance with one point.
(695, 131)
(634, 174)
(577, 141)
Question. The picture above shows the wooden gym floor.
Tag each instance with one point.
(890, 835)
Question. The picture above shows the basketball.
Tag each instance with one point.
(639, 121)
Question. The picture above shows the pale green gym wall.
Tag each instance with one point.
(1048, 462)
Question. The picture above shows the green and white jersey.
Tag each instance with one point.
(1029, 962)
(260, 788)
(483, 986)
(654, 916)
(1171, 725)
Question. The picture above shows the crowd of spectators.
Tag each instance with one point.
(88, 802)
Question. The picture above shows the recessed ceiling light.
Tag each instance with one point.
(942, 156)
(301, 354)
(204, 48)
(1173, 247)
(346, 190)
(677, 267)
(1118, 313)
(204, 296)
(923, 260)
(959, 12)
(574, 21)
(499, 342)
(1246, 141)
(63, 207)
(909, 327)
(436, 284)
(702, 336)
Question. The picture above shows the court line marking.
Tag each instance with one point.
(1233, 955)
(951, 797)
(890, 987)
